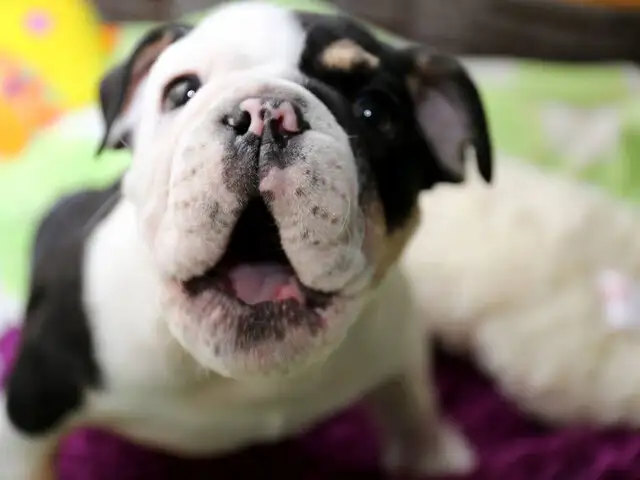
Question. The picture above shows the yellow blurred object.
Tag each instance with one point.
(26, 105)
(62, 41)
(14, 134)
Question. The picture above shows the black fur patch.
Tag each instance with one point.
(395, 159)
(56, 362)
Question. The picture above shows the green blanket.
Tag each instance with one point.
(583, 122)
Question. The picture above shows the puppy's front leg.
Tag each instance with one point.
(42, 399)
(415, 438)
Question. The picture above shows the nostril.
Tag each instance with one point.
(240, 121)
(279, 133)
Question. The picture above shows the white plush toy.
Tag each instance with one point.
(538, 277)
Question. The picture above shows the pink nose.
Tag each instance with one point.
(279, 119)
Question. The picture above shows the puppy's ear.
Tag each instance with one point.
(450, 113)
(119, 86)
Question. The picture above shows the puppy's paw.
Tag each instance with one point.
(444, 452)
(449, 454)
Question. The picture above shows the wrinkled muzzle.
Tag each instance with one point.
(255, 216)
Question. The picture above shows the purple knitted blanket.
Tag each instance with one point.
(510, 446)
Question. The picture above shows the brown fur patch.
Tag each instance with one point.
(387, 248)
(345, 55)
(416, 79)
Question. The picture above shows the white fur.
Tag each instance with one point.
(178, 175)
(162, 396)
(510, 273)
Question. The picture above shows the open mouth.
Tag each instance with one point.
(255, 269)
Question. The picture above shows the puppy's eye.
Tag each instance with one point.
(179, 91)
(375, 110)
(366, 109)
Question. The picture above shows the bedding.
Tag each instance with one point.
(578, 121)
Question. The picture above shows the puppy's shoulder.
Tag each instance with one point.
(55, 362)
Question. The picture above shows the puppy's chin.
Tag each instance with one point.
(242, 341)
(250, 314)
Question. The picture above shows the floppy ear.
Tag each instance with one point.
(119, 86)
(450, 113)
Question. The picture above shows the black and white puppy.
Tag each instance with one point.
(241, 282)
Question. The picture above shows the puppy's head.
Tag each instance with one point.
(278, 158)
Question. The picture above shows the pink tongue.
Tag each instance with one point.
(264, 282)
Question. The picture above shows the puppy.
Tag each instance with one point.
(240, 282)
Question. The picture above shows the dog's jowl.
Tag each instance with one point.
(240, 282)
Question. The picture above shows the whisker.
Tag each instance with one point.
(345, 219)
(355, 239)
